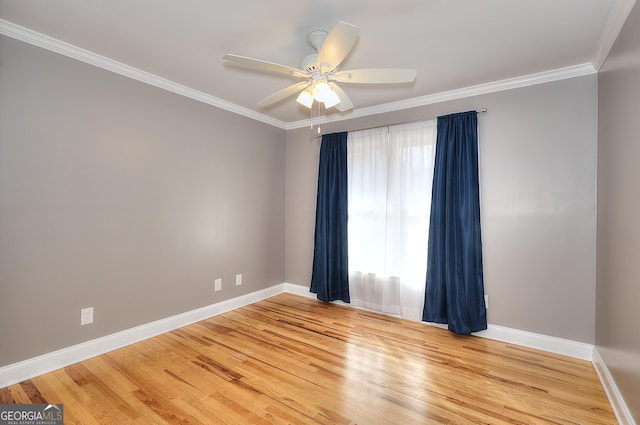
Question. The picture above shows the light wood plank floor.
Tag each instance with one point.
(294, 360)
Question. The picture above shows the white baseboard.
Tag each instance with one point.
(547, 343)
(551, 344)
(611, 389)
(30, 368)
(579, 350)
(18, 372)
(301, 290)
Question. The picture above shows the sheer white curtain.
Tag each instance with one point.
(390, 172)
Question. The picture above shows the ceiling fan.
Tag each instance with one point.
(320, 74)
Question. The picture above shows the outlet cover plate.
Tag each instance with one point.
(86, 316)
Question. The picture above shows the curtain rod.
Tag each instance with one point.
(406, 122)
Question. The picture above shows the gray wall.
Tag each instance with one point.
(538, 180)
(618, 247)
(124, 197)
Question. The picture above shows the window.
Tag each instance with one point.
(390, 173)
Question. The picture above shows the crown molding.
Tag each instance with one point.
(40, 40)
(618, 16)
(496, 86)
(37, 39)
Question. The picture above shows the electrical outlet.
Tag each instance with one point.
(218, 285)
(238, 279)
(86, 316)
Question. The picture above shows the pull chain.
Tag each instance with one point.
(319, 130)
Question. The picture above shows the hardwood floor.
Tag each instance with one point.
(294, 360)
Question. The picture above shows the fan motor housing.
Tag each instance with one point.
(316, 38)
(308, 63)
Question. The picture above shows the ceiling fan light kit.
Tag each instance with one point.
(305, 98)
(320, 70)
(330, 98)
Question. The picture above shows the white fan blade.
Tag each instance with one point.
(337, 45)
(269, 66)
(376, 76)
(345, 103)
(282, 94)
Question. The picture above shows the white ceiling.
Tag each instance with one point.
(452, 44)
